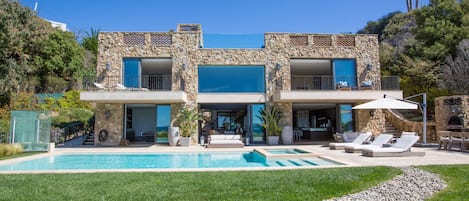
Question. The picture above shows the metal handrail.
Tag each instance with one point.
(325, 82)
(157, 82)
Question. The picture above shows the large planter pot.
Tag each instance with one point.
(287, 135)
(173, 136)
(272, 140)
(184, 141)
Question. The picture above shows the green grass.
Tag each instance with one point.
(312, 184)
(20, 155)
(457, 178)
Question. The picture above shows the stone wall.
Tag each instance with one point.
(185, 50)
(366, 122)
(451, 106)
(109, 117)
(402, 124)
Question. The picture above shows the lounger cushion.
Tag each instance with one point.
(225, 142)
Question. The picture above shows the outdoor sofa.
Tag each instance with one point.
(225, 141)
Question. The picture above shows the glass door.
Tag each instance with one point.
(163, 120)
(131, 74)
(346, 118)
(345, 73)
(257, 131)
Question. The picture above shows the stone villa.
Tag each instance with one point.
(143, 79)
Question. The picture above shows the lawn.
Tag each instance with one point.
(457, 178)
(311, 184)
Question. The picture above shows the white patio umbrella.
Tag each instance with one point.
(387, 103)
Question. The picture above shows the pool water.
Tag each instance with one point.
(285, 151)
(159, 160)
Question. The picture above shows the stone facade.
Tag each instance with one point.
(184, 48)
(109, 117)
(448, 107)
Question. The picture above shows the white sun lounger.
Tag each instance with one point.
(400, 148)
(377, 142)
(359, 140)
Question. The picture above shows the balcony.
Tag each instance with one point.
(131, 83)
(151, 89)
(330, 89)
(312, 82)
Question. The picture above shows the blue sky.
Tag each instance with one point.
(217, 16)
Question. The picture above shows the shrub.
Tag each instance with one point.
(10, 149)
(2, 150)
(18, 148)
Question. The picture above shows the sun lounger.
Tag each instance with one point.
(377, 143)
(359, 140)
(122, 87)
(400, 148)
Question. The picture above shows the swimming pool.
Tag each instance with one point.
(120, 161)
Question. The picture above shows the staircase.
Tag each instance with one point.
(390, 129)
(89, 140)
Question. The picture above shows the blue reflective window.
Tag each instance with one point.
(346, 118)
(132, 73)
(345, 72)
(257, 129)
(163, 120)
(229, 79)
(233, 40)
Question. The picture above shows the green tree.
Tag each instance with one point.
(90, 43)
(61, 61)
(440, 27)
(19, 29)
(377, 27)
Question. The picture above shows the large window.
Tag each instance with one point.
(132, 73)
(345, 72)
(229, 79)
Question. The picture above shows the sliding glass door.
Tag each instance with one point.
(163, 120)
(257, 131)
(345, 72)
(131, 73)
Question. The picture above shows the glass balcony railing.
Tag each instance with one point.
(138, 83)
(311, 82)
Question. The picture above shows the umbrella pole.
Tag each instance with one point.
(424, 112)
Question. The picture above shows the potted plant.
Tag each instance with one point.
(188, 120)
(271, 117)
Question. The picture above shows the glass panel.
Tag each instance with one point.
(240, 79)
(225, 121)
(233, 40)
(346, 118)
(163, 120)
(131, 72)
(345, 73)
(258, 134)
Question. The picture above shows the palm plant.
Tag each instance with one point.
(188, 120)
(271, 117)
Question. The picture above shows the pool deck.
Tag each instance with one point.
(432, 157)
